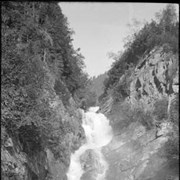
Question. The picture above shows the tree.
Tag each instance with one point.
(167, 18)
(161, 32)
(36, 44)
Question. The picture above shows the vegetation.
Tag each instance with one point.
(89, 100)
(160, 32)
(172, 148)
(37, 46)
(174, 111)
(161, 109)
(123, 115)
(97, 85)
(172, 145)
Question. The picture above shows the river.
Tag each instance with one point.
(88, 162)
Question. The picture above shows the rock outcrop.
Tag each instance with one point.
(135, 152)
(155, 76)
(90, 162)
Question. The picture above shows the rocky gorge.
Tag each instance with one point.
(48, 130)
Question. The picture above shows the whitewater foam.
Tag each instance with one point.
(98, 134)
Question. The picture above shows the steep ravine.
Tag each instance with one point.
(134, 153)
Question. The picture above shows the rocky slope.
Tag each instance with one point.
(137, 151)
(19, 163)
(154, 77)
(41, 74)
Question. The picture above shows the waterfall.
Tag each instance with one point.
(98, 134)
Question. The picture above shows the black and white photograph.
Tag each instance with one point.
(89, 90)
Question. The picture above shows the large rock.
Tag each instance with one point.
(90, 162)
(156, 76)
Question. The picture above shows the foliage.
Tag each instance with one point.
(123, 115)
(172, 145)
(161, 109)
(30, 139)
(174, 111)
(160, 32)
(97, 85)
(117, 70)
(172, 148)
(120, 92)
(36, 46)
(145, 118)
(101, 97)
(91, 99)
(4, 135)
(62, 91)
(121, 89)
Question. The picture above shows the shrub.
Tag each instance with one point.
(160, 109)
(124, 115)
(120, 92)
(91, 99)
(172, 145)
(145, 118)
(3, 134)
(160, 32)
(121, 116)
(62, 91)
(102, 97)
(29, 137)
(174, 111)
(172, 148)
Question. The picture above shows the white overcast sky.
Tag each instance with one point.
(101, 27)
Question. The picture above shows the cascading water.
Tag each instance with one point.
(98, 134)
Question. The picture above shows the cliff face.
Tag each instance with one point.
(20, 159)
(137, 150)
(156, 76)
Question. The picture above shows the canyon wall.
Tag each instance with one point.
(137, 150)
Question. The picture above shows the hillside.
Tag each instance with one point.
(141, 100)
(42, 86)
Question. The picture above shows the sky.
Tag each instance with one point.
(101, 28)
